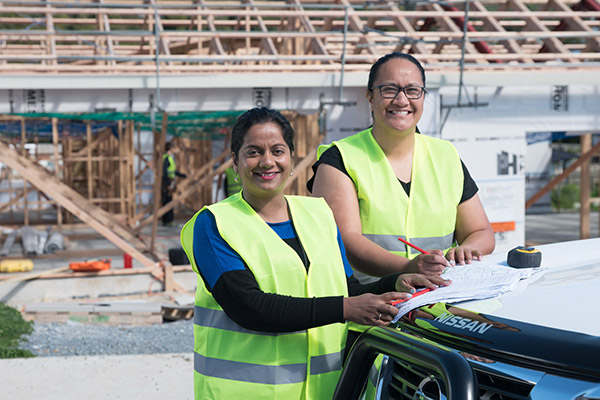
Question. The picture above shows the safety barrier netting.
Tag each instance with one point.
(199, 125)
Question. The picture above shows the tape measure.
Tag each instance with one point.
(524, 257)
(21, 265)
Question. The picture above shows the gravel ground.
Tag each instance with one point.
(76, 339)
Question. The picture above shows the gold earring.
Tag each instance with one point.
(236, 179)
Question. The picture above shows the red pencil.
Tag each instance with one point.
(413, 246)
(406, 242)
(420, 292)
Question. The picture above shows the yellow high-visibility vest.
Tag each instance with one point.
(428, 217)
(231, 361)
(171, 167)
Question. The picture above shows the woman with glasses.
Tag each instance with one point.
(389, 182)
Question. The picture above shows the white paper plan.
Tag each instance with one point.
(475, 281)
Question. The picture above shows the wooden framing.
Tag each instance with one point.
(99, 167)
(192, 36)
(97, 179)
(92, 178)
(146, 37)
(582, 163)
(201, 168)
(584, 189)
(308, 136)
(65, 196)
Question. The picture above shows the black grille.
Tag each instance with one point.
(402, 380)
(495, 387)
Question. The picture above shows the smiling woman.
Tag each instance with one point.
(274, 286)
(390, 181)
(263, 160)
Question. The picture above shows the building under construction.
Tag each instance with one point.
(91, 91)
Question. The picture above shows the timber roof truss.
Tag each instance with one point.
(191, 36)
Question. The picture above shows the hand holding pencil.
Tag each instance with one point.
(430, 263)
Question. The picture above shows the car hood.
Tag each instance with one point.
(566, 296)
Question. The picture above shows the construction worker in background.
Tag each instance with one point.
(168, 181)
(232, 182)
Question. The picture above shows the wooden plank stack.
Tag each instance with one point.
(109, 313)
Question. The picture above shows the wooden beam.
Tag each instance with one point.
(56, 167)
(317, 45)
(68, 198)
(190, 186)
(576, 23)
(557, 179)
(163, 41)
(121, 149)
(62, 273)
(28, 277)
(19, 195)
(131, 169)
(159, 148)
(141, 170)
(306, 163)
(105, 23)
(268, 43)
(403, 24)
(93, 141)
(24, 154)
(510, 45)
(356, 24)
(216, 45)
(584, 189)
(552, 45)
(50, 39)
(88, 163)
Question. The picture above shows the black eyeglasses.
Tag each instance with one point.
(391, 91)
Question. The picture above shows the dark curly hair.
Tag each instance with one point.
(260, 115)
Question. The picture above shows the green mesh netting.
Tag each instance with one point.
(201, 125)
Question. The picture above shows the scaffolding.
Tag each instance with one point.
(194, 36)
(88, 169)
(100, 158)
(94, 156)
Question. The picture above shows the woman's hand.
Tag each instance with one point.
(432, 264)
(372, 309)
(409, 282)
(462, 255)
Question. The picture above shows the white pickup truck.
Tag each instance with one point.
(541, 343)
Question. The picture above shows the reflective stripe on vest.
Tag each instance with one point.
(218, 319)
(171, 167)
(230, 359)
(391, 242)
(427, 217)
(266, 374)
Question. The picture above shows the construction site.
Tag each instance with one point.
(91, 91)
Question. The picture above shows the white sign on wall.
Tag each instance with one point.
(261, 97)
(559, 98)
